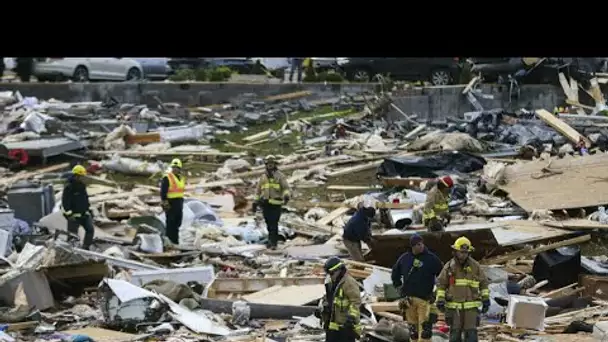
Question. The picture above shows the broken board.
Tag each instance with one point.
(99, 334)
(577, 173)
(561, 127)
(333, 215)
(287, 295)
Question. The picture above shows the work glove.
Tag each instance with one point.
(440, 304)
(447, 218)
(404, 303)
(254, 206)
(350, 323)
(485, 306)
(286, 199)
(165, 204)
(318, 313)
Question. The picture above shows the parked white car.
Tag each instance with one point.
(87, 69)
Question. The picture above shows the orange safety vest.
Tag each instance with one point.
(176, 186)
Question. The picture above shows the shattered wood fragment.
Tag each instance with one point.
(327, 219)
(26, 175)
(336, 205)
(353, 169)
(561, 127)
(561, 291)
(525, 253)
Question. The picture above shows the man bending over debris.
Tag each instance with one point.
(339, 309)
(271, 194)
(172, 188)
(415, 273)
(462, 288)
(436, 213)
(358, 229)
(75, 206)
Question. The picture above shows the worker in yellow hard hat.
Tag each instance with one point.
(172, 187)
(462, 291)
(75, 205)
(271, 194)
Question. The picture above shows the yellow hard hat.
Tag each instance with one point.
(176, 163)
(270, 158)
(463, 244)
(79, 170)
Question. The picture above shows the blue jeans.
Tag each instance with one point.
(296, 64)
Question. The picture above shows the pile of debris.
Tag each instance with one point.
(527, 195)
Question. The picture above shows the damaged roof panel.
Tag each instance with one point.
(568, 183)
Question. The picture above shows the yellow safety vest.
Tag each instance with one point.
(176, 186)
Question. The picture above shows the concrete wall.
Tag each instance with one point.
(438, 103)
(434, 103)
(187, 94)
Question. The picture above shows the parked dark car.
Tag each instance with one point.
(178, 63)
(438, 71)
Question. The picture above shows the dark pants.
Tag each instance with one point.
(272, 215)
(174, 219)
(86, 221)
(462, 321)
(434, 225)
(296, 64)
(339, 336)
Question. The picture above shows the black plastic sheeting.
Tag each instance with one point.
(488, 126)
(430, 166)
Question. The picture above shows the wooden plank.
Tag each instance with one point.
(333, 215)
(409, 182)
(574, 90)
(247, 285)
(287, 295)
(165, 153)
(530, 252)
(353, 169)
(597, 93)
(225, 182)
(353, 187)
(335, 205)
(576, 224)
(558, 292)
(561, 127)
(30, 174)
(385, 306)
(565, 86)
(471, 84)
(594, 286)
(577, 104)
(258, 136)
(578, 173)
(99, 334)
(300, 165)
(366, 265)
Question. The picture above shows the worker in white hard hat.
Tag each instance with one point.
(172, 188)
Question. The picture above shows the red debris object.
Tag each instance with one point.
(94, 168)
(20, 155)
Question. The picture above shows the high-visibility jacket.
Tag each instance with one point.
(436, 204)
(462, 286)
(346, 302)
(272, 188)
(177, 186)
